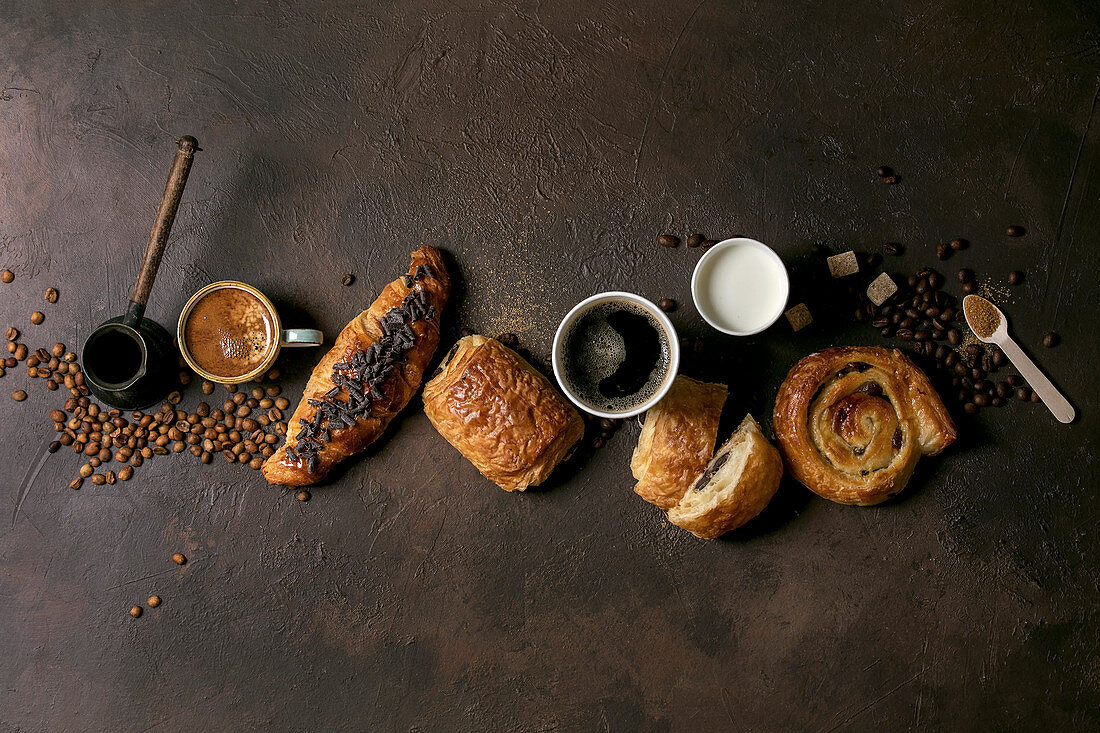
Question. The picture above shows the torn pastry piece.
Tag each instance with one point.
(501, 413)
(736, 485)
(677, 440)
(375, 366)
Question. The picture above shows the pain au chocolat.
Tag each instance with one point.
(376, 365)
(853, 421)
(501, 413)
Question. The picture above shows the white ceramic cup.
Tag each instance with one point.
(615, 296)
(779, 289)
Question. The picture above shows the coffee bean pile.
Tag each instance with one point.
(921, 313)
(244, 429)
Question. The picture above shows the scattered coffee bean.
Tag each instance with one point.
(37, 317)
(1035, 397)
(1015, 231)
(348, 279)
(153, 601)
(970, 408)
(666, 304)
(303, 496)
(694, 240)
(99, 479)
(19, 395)
(1050, 340)
(969, 287)
(55, 446)
(965, 275)
(178, 558)
(13, 333)
(76, 483)
(708, 243)
(51, 295)
(893, 249)
(135, 611)
(883, 171)
(125, 473)
(207, 387)
(958, 243)
(943, 251)
(1015, 277)
(668, 240)
(272, 375)
(1023, 394)
(7, 276)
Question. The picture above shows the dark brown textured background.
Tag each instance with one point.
(544, 146)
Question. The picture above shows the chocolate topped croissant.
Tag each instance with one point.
(369, 375)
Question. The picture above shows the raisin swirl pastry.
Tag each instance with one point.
(853, 421)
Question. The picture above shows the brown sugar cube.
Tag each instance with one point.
(881, 288)
(843, 264)
(799, 317)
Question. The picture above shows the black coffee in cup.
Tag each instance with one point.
(616, 356)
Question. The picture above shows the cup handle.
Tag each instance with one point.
(302, 337)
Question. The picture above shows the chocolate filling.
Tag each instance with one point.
(712, 469)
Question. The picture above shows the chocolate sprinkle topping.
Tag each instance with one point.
(362, 375)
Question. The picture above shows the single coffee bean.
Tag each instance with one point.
(999, 357)
(708, 243)
(951, 359)
(922, 335)
(13, 333)
(890, 180)
(668, 240)
(55, 446)
(1023, 394)
(968, 287)
(905, 334)
(110, 478)
(1014, 380)
(997, 401)
(19, 395)
(894, 249)
(135, 611)
(153, 601)
(99, 479)
(76, 483)
(1015, 231)
(965, 275)
(347, 279)
(1035, 397)
(37, 317)
(943, 251)
(1002, 389)
(1050, 340)
(51, 295)
(1015, 277)
(21, 352)
(884, 170)
(694, 240)
(981, 400)
(970, 408)
(912, 281)
(178, 558)
(981, 385)
(666, 304)
(880, 322)
(303, 496)
(959, 243)
(7, 276)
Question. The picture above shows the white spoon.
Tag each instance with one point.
(1048, 393)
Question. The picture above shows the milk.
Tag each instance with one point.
(740, 286)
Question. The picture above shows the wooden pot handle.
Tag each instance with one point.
(162, 225)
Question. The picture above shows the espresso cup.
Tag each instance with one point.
(229, 332)
(615, 354)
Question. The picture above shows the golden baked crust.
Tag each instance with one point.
(677, 440)
(500, 413)
(736, 486)
(853, 421)
(399, 386)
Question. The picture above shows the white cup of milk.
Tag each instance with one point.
(740, 286)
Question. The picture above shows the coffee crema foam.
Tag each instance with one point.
(616, 356)
(229, 332)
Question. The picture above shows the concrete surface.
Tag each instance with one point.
(545, 146)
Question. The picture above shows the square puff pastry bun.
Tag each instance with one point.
(677, 440)
(500, 413)
(736, 485)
